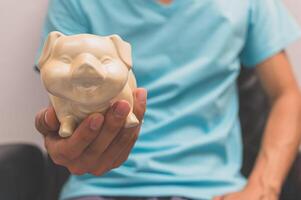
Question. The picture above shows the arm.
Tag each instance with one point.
(282, 133)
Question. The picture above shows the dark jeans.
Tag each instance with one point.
(129, 198)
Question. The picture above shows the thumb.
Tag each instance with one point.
(46, 121)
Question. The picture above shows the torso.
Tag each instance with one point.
(186, 55)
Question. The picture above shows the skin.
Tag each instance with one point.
(282, 133)
(99, 144)
(165, 1)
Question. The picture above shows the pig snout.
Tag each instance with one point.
(88, 71)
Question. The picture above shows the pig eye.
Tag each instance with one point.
(65, 59)
(106, 60)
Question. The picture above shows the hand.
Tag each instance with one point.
(250, 192)
(99, 144)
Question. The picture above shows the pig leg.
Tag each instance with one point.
(68, 125)
(127, 94)
(131, 120)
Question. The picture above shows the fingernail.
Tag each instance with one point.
(120, 110)
(141, 95)
(96, 122)
(46, 117)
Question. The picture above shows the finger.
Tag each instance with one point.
(46, 121)
(77, 168)
(114, 121)
(51, 120)
(125, 154)
(38, 123)
(72, 147)
(119, 145)
(51, 143)
(140, 98)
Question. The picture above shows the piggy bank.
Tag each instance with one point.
(85, 74)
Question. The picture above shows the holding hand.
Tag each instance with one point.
(250, 192)
(99, 144)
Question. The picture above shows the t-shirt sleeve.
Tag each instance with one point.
(64, 16)
(271, 29)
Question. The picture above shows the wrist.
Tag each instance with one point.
(265, 187)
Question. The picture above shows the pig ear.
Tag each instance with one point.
(124, 50)
(48, 47)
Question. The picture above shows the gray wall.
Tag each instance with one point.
(21, 92)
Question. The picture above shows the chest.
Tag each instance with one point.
(206, 33)
(145, 18)
(179, 30)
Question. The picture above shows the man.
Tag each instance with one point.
(187, 54)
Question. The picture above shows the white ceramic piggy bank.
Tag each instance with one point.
(85, 74)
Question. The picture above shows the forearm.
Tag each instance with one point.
(280, 143)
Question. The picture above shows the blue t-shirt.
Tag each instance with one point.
(188, 55)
